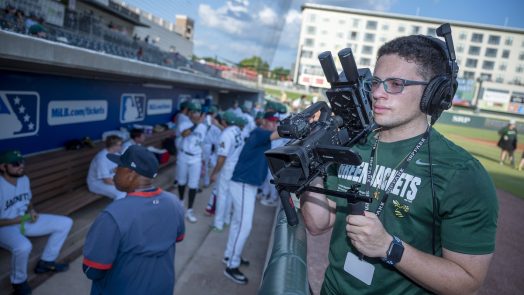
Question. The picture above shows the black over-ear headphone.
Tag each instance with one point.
(440, 90)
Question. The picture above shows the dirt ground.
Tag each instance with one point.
(506, 272)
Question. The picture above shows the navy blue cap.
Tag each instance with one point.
(139, 159)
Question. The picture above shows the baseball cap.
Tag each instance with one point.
(240, 121)
(11, 156)
(137, 158)
(193, 106)
(212, 110)
(259, 115)
(271, 116)
(229, 117)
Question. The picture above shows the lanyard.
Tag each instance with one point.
(402, 165)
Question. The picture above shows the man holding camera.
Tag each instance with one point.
(431, 225)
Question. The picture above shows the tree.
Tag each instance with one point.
(280, 73)
(255, 63)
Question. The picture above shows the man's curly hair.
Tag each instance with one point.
(422, 51)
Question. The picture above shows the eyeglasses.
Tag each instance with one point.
(17, 164)
(391, 85)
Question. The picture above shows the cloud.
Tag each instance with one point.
(267, 16)
(220, 19)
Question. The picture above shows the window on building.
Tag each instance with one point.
(476, 37)
(371, 25)
(307, 54)
(355, 23)
(309, 42)
(474, 50)
(326, 20)
(471, 63)
(485, 76)
(469, 75)
(509, 41)
(503, 66)
(385, 27)
(352, 35)
(499, 79)
(491, 52)
(432, 32)
(488, 65)
(520, 69)
(463, 36)
(505, 53)
(311, 30)
(365, 61)
(369, 37)
(312, 17)
(521, 56)
(341, 22)
(367, 49)
(340, 35)
(494, 40)
(401, 29)
(460, 48)
(415, 30)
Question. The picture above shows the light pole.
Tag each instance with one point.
(479, 91)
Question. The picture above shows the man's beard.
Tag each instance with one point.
(17, 175)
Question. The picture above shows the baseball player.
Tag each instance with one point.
(18, 220)
(231, 143)
(249, 121)
(210, 144)
(189, 162)
(130, 248)
(101, 170)
(249, 173)
(136, 136)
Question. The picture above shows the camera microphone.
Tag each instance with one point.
(328, 66)
(348, 65)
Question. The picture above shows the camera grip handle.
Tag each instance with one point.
(289, 207)
(356, 208)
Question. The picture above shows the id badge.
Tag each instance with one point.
(360, 269)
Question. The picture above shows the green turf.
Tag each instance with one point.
(504, 176)
(290, 95)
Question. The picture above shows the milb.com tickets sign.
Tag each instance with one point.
(61, 112)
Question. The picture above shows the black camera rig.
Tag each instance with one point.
(322, 135)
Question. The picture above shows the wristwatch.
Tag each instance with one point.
(395, 251)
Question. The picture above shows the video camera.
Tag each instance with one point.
(322, 135)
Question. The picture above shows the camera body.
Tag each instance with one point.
(322, 135)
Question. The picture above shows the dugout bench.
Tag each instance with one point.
(58, 185)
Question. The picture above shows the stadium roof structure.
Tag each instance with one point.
(118, 11)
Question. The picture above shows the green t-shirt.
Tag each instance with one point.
(466, 203)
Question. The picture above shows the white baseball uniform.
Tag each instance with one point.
(231, 143)
(14, 202)
(209, 153)
(189, 163)
(127, 144)
(181, 117)
(101, 167)
(250, 126)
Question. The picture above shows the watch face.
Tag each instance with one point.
(395, 251)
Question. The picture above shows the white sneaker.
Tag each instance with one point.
(190, 216)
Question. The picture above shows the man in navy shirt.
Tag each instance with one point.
(250, 172)
(130, 248)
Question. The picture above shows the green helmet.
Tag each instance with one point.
(212, 110)
(229, 117)
(194, 106)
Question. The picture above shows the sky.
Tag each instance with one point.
(232, 30)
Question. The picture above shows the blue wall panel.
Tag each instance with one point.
(42, 112)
